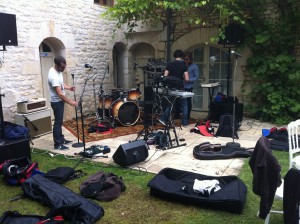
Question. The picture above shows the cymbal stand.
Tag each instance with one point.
(102, 95)
(78, 144)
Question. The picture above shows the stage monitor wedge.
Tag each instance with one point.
(8, 30)
(131, 153)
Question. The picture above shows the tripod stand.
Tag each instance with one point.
(148, 100)
(78, 144)
(234, 144)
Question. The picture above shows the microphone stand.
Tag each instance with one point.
(233, 144)
(78, 144)
(84, 154)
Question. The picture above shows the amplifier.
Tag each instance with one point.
(38, 122)
(31, 105)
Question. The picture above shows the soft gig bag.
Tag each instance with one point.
(61, 175)
(14, 217)
(70, 205)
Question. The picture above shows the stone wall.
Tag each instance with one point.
(85, 38)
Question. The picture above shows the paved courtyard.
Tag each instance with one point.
(179, 157)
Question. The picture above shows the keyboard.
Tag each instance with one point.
(170, 92)
(210, 85)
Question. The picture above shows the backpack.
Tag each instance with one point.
(61, 175)
(102, 186)
(225, 127)
(162, 140)
(13, 131)
(16, 171)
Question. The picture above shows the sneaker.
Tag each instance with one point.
(67, 141)
(162, 122)
(61, 147)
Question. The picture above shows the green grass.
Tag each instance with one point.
(136, 205)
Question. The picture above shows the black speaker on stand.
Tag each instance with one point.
(131, 153)
(8, 30)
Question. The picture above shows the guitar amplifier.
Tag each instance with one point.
(38, 122)
(31, 105)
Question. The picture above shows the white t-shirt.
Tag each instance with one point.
(55, 79)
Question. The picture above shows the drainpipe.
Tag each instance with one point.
(169, 29)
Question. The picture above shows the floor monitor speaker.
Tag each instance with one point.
(131, 153)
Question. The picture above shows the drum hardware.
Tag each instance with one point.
(78, 144)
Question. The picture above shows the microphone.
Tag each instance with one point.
(72, 75)
(236, 54)
(88, 66)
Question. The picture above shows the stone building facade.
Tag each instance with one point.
(74, 29)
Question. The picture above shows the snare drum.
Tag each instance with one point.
(134, 94)
(126, 113)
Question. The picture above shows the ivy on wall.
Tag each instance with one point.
(273, 35)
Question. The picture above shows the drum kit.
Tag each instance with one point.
(121, 105)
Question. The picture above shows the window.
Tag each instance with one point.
(104, 2)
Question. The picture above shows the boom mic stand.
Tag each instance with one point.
(234, 144)
(78, 144)
(84, 154)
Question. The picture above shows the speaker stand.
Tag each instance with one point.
(233, 144)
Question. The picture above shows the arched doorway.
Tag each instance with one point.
(49, 48)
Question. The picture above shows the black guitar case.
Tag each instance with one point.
(226, 152)
(177, 185)
(67, 203)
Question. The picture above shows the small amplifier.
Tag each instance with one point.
(31, 105)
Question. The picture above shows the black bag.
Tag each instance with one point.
(67, 203)
(13, 131)
(61, 175)
(16, 171)
(14, 217)
(225, 126)
(102, 186)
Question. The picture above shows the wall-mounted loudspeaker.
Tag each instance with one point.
(8, 30)
(234, 35)
(131, 153)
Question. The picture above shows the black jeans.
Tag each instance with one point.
(189, 103)
(58, 110)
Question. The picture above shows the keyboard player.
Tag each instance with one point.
(178, 69)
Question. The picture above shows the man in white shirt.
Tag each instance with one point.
(58, 98)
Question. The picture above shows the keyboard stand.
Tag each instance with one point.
(169, 126)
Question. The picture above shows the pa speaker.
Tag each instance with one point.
(131, 153)
(8, 30)
(234, 35)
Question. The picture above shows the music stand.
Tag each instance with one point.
(234, 144)
(78, 144)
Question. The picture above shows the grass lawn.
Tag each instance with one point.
(135, 205)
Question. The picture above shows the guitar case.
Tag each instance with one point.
(225, 152)
(177, 185)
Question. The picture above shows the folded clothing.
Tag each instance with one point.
(206, 187)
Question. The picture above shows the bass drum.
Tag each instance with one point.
(126, 113)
